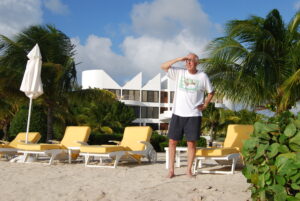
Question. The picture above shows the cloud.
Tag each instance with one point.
(165, 19)
(297, 5)
(162, 31)
(96, 53)
(16, 15)
(56, 6)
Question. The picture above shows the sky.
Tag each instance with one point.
(125, 37)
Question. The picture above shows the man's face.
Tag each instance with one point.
(191, 63)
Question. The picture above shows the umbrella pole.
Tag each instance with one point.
(28, 120)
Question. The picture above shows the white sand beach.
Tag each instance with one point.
(147, 182)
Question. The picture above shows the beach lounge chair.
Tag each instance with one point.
(236, 135)
(73, 138)
(134, 145)
(9, 149)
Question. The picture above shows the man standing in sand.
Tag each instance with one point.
(188, 106)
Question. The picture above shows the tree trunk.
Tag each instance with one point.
(50, 123)
(5, 133)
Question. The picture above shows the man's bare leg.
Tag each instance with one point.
(172, 150)
(191, 156)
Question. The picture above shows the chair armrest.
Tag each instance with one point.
(82, 143)
(3, 142)
(54, 141)
(148, 152)
(115, 141)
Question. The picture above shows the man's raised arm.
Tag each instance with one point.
(165, 66)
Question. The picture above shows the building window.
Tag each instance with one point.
(150, 96)
(131, 95)
(162, 109)
(164, 97)
(149, 112)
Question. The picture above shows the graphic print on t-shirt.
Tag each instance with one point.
(188, 84)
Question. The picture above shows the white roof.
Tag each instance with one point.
(153, 84)
(135, 83)
(98, 79)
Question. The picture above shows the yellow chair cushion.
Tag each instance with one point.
(133, 134)
(101, 149)
(237, 134)
(5, 146)
(216, 152)
(33, 137)
(39, 147)
(74, 134)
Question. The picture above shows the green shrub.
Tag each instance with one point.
(156, 140)
(38, 122)
(99, 138)
(272, 159)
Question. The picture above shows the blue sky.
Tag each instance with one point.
(124, 37)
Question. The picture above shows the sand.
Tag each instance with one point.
(145, 182)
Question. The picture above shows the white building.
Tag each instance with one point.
(152, 102)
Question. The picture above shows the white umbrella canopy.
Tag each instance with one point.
(32, 84)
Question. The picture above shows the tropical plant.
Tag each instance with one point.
(272, 159)
(38, 121)
(257, 61)
(100, 110)
(58, 68)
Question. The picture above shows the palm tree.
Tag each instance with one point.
(58, 68)
(100, 110)
(257, 61)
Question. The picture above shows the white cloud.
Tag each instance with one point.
(297, 5)
(16, 15)
(56, 6)
(165, 18)
(163, 30)
(96, 53)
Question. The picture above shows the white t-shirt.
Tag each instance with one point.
(189, 92)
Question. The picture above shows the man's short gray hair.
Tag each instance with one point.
(196, 56)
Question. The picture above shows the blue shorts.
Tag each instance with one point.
(188, 126)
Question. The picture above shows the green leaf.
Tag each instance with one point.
(284, 163)
(280, 180)
(283, 149)
(295, 186)
(292, 198)
(297, 123)
(250, 144)
(260, 151)
(295, 178)
(283, 139)
(273, 150)
(254, 179)
(279, 192)
(294, 142)
(290, 130)
(261, 180)
(270, 128)
(258, 127)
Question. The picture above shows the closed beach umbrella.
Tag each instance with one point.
(31, 84)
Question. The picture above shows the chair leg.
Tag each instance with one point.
(117, 160)
(234, 161)
(86, 159)
(195, 166)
